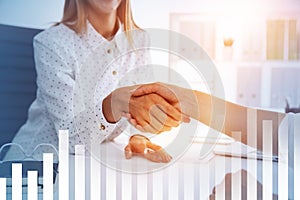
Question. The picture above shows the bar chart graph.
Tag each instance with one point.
(181, 180)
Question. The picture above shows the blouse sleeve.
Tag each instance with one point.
(56, 84)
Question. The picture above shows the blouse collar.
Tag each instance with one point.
(95, 39)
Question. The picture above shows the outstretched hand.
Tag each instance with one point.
(182, 99)
(141, 146)
(148, 112)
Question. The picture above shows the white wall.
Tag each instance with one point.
(147, 13)
(155, 13)
(30, 13)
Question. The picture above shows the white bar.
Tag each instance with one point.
(219, 174)
(150, 185)
(296, 157)
(16, 181)
(3, 188)
(158, 184)
(205, 184)
(133, 186)
(32, 177)
(79, 172)
(110, 183)
(126, 186)
(142, 186)
(181, 185)
(47, 176)
(173, 182)
(283, 160)
(236, 181)
(95, 172)
(267, 162)
(252, 163)
(188, 181)
(63, 164)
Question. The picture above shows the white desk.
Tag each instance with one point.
(187, 178)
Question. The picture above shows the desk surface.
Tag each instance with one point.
(185, 177)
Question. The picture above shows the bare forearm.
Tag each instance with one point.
(213, 111)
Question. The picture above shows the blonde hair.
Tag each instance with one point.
(75, 16)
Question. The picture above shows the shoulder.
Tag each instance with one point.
(141, 37)
(55, 36)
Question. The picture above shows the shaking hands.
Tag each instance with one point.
(152, 108)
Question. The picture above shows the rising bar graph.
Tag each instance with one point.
(160, 182)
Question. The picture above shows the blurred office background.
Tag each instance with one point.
(255, 44)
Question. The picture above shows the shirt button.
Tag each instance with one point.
(114, 72)
(108, 51)
(102, 127)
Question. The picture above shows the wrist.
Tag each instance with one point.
(111, 114)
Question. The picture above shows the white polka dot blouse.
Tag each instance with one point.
(75, 72)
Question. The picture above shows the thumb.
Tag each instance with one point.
(144, 90)
(158, 88)
(128, 152)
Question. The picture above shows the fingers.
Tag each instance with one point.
(148, 115)
(150, 129)
(126, 115)
(184, 117)
(153, 114)
(133, 122)
(161, 89)
(167, 108)
(145, 89)
(163, 118)
(169, 123)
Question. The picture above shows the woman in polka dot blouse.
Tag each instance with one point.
(76, 64)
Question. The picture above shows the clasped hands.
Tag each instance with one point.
(153, 108)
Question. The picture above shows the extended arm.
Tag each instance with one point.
(212, 110)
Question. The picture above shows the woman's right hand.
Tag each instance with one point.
(152, 112)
